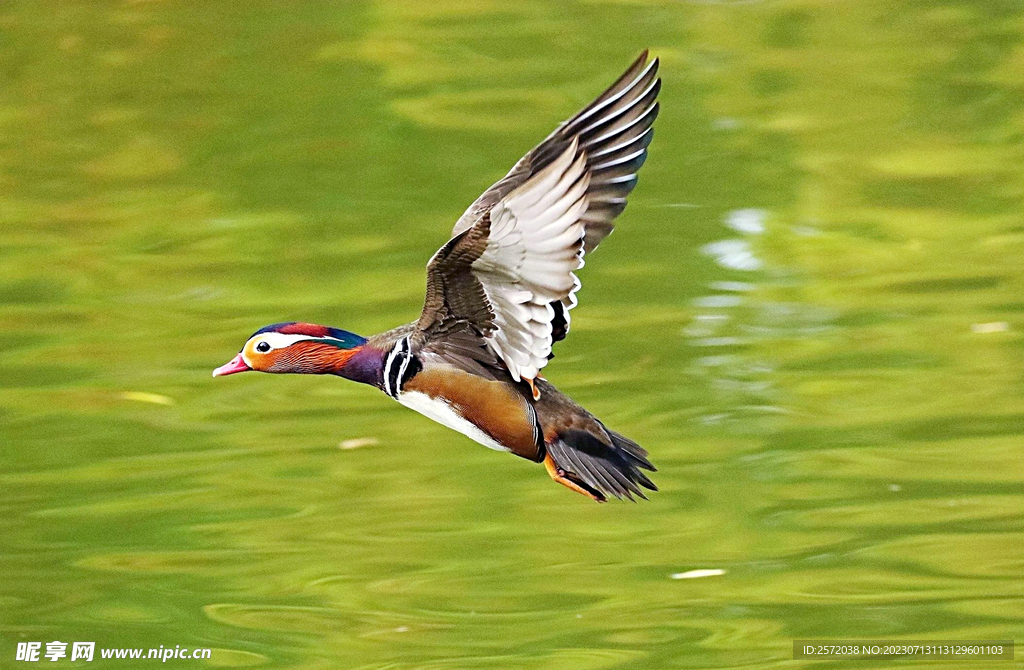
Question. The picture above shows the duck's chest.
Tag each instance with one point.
(446, 414)
(492, 413)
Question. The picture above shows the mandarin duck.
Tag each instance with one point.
(498, 297)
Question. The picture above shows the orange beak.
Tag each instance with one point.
(236, 364)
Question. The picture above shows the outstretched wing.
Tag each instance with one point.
(508, 270)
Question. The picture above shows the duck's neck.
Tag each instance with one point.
(365, 365)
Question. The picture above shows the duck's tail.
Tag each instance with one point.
(600, 468)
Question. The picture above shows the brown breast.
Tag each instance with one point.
(495, 407)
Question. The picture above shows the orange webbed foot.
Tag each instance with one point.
(562, 477)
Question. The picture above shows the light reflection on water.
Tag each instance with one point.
(810, 315)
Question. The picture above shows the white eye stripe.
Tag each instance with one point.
(282, 340)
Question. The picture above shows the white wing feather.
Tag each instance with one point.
(533, 248)
(555, 204)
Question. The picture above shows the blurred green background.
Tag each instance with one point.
(810, 314)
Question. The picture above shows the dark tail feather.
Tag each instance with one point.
(608, 470)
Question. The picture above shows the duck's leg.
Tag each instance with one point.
(533, 387)
(564, 478)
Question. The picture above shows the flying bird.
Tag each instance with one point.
(498, 296)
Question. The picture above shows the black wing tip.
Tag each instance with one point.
(654, 111)
(643, 56)
(656, 88)
(649, 67)
(640, 61)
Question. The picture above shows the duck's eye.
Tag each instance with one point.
(263, 347)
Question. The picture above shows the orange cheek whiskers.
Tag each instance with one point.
(314, 358)
(337, 358)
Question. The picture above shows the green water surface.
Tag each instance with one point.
(811, 314)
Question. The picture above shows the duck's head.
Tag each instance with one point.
(295, 347)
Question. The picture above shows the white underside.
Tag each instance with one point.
(443, 413)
